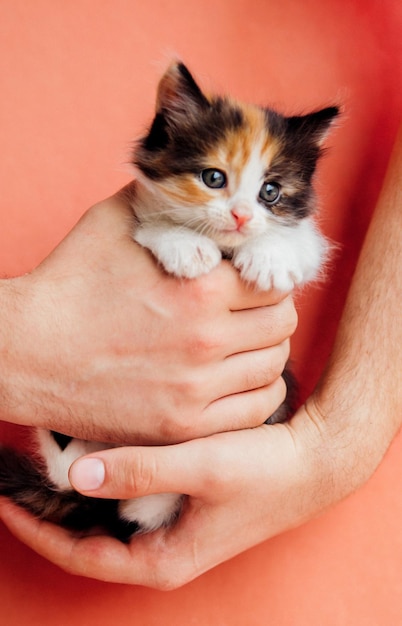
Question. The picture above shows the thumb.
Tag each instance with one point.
(130, 472)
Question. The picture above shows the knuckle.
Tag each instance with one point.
(216, 477)
(258, 378)
(170, 580)
(190, 392)
(177, 424)
(282, 319)
(282, 389)
(204, 344)
(278, 362)
(168, 571)
(271, 399)
(282, 404)
(136, 474)
(187, 388)
(268, 367)
(206, 289)
(176, 431)
(286, 350)
(290, 317)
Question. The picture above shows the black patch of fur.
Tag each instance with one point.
(61, 440)
(172, 148)
(185, 127)
(190, 87)
(158, 136)
(300, 138)
(24, 481)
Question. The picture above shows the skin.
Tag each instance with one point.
(296, 470)
(98, 329)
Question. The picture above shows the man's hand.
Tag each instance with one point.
(243, 487)
(98, 342)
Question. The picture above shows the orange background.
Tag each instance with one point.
(77, 84)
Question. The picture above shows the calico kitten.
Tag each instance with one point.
(215, 178)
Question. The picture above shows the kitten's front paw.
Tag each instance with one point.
(188, 257)
(182, 252)
(268, 266)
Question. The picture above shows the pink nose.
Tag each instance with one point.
(240, 217)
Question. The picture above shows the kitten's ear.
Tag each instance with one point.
(314, 126)
(178, 93)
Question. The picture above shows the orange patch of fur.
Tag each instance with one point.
(187, 192)
(235, 150)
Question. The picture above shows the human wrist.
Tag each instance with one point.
(352, 440)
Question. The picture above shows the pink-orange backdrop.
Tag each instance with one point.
(77, 83)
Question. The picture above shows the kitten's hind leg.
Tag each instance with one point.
(181, 251)
(24, 480)
(151, 512)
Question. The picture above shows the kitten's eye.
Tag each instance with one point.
(270, 192)
(214, 178)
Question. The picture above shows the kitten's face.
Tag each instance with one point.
(231, 195)
(228, 170)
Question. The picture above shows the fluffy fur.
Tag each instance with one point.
(215, 177)
(258, 213)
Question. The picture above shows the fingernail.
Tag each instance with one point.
(87, 474)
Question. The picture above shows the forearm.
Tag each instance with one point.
(359, 396)
(31, 357)
(10, 383)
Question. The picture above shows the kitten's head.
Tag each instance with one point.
(227, 169)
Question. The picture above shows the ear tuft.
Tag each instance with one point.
(178, 92)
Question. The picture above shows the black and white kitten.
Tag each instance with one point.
(215, 177)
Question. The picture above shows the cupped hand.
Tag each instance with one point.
(98, 342)
(243, 487)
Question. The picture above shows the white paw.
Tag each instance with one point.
(267, 266)
(189, 257)
(182, 252)
(153, 511)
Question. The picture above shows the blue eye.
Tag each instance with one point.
(270, 192)
(216, 179)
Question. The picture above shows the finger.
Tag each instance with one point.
(99, 557)
(245, 295)
(34, 532)
(145, 561)
(232, 412)
(234, 293)
(139, 470)
(246, 371)
(261, 327)
(197, 468)
(247, 409)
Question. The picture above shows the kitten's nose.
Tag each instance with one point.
(241, 217)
